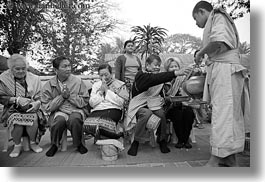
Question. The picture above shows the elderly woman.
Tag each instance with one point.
(107, 100)
(20, 93)
(65, 98)
(182, 116)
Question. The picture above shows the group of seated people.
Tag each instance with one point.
(69, 104)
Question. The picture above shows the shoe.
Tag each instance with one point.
(52, 151)
(163, 146)
(16, 151)
(82, 149)
(133, 149)
(96, 135)
(187, 145)
(36, 148)
(179, 145)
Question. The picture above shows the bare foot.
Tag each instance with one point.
(213, 162)
(229, 161)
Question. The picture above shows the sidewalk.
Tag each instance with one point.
(147, 156)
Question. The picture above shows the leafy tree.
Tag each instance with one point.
(119, 43)
(74, 29)
(19, 20)
(182, 43)
(148, 39)
(105, 49)
(236, 8)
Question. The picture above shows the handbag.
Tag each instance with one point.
(24, 119)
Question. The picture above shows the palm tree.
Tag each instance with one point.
(182, 43)
(148, 39)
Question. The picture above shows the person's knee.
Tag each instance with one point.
(75, 120)
(18, 129)
(160, 113)
(59, 121)
(143, 112)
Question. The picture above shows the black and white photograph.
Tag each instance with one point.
(122, 84)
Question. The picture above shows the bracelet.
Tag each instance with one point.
(16, 101)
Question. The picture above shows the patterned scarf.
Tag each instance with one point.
(16, 89)
(138, 102)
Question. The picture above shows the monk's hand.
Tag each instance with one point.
(198, 58)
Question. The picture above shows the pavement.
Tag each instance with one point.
(147, 156)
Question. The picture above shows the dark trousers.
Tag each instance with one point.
(74, 124)
(142, 115)
(182, 118)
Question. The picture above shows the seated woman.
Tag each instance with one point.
(20, 93)
(65, 97)
(148, 84)
(107, 99)
(182, 116)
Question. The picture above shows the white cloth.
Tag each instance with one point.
(110, 101)
(114, 142)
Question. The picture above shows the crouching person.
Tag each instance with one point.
(65, 98)
(147, 87)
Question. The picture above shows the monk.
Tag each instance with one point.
(225, 82)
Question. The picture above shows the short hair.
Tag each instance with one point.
(14, 58)
(57, 61)
(202, 5)
(170, 60)
(127, 42)
(152, 57)
(104, 66)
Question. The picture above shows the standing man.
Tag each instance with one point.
(65, 98)
(224, 83)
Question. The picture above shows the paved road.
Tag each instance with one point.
(147, 156)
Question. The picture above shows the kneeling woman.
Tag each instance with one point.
(107, 100)
(20, 93)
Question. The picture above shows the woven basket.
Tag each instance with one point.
(109, 152)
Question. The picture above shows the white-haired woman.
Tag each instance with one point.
(20, 93)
